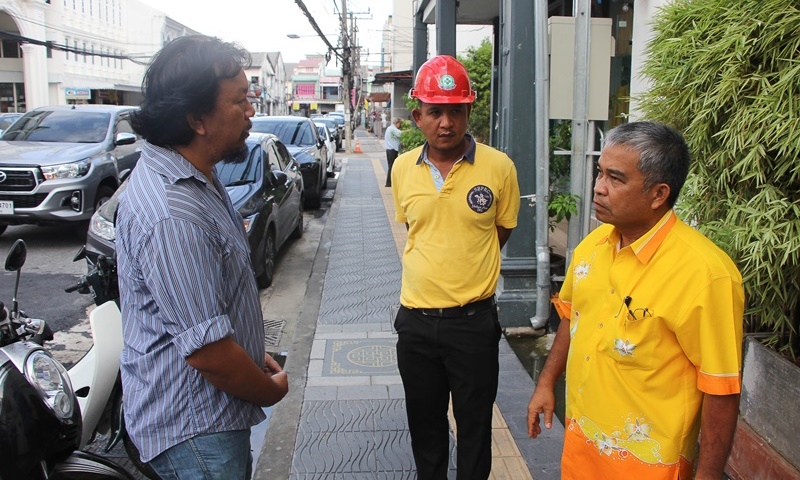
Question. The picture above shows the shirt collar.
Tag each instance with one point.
(469, 155)
(645, 246)
(169, 163)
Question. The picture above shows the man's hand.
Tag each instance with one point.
(274, 371)
(543, 401)
(228, 367)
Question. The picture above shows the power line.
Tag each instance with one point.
(313, 23)
(66, 48)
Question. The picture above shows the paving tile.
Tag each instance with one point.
(353, 423)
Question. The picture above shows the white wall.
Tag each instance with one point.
(642, 33)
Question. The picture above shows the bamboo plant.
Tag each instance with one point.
(727, 74)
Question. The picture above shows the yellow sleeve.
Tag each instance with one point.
(508, 203)
(710, 334)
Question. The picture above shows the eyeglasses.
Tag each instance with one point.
(635, 314)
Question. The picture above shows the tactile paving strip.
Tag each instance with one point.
(353, 438)
(358, 439)
(363, 277)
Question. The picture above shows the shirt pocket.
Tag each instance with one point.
(632, 343)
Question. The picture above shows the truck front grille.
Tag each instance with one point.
(17, 180)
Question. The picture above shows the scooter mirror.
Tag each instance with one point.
(16, 256)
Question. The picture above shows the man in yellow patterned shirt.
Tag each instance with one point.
(652, 348)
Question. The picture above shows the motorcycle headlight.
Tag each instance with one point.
(52, 381)
(101, 227)
(67, 170)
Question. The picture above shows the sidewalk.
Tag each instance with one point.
(344, 417)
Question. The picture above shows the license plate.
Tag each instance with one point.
(6, 207)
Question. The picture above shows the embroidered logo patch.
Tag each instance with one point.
(480, 198)
(447, 82)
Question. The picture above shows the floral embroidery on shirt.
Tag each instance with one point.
(638, 430)
(635, 440)
(580, 271)
(624, 347)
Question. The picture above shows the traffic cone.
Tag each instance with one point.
(358, 147)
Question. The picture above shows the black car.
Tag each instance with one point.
(300, 136)
(266, 189)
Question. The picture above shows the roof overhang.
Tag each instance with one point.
(379, 97)
(474, 12)
(401, 76)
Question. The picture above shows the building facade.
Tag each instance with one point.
(60, 52)
(315, 87)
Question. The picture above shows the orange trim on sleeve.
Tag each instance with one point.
(564, 310)
(717, 385)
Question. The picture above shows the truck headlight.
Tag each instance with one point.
(67, 170)
(52, 381)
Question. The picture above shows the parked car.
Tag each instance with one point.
(59, 163)
(300, 136)
(330, 143)
(338, 117)
(7, 119)
(333, 127)
(266, 189)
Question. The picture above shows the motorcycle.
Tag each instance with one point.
(41, 422)
(96, 377)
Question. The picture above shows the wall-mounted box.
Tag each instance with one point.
(562, 66)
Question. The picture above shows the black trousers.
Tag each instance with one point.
(440, 356)
(391, 156)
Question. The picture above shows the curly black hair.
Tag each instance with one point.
(182, 81)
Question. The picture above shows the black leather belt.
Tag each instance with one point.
(463, 311)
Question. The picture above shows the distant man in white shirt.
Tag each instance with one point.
(392, 141)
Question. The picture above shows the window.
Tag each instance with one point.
(275, 160)
(286, 157)
(124, 126)
(62, 126)
(305, 90)
(11, 49)
(241, 173)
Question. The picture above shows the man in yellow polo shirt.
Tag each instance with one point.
(652, 345)
(459, 200)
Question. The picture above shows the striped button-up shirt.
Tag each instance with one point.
(185, 281)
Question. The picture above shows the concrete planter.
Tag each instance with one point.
(765, 445)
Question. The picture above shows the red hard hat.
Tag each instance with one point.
(443, 79)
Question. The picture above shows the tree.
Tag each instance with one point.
(478, 63)
(727, 74)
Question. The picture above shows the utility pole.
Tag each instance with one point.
(346, 76)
